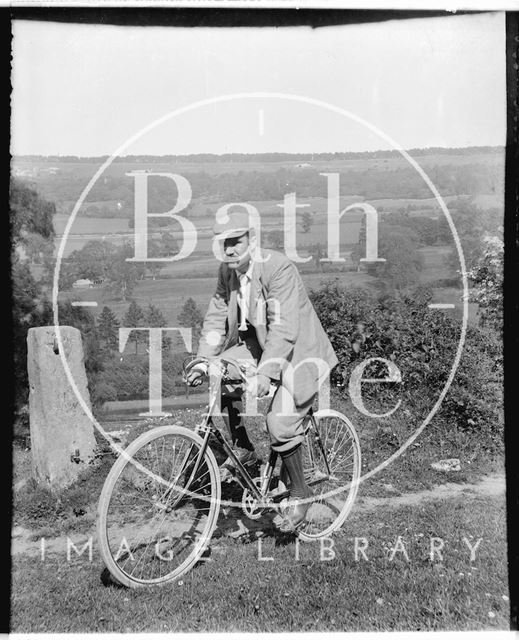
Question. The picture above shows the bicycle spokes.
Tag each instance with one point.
(157, 518)
(331, 460)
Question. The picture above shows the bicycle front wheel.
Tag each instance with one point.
(158, 507)
(332, 465)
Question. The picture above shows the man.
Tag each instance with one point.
(261, 312)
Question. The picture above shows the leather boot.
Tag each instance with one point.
(295, 515)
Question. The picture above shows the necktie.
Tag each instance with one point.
(243, 302)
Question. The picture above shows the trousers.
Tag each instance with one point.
(285, 420)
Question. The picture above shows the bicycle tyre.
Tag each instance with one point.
(128, 487)
(333, 498)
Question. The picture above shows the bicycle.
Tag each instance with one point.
(159, 505)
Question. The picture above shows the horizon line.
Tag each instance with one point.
(258, 153)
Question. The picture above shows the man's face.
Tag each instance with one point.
(236, 251)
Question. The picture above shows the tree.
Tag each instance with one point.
(128, 377)
(487, 278)
(154, 268)
(472, 226)
(362, 232)
(317, 253)
(83, 320)
(134, 317)
(31, 219)
(93, 261)
(28, 310)
(307, 221)
(427, 230)
(191, 316)
(403, 262)
(29, 213)
(31, 222)
(108, 329)
(155, 318)
(67, 275)
(32, 229)
(154, 252)
(122, 274)
(168, 246)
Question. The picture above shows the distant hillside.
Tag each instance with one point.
(268, 157)
(216, 180)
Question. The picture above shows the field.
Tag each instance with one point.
(90, 226)
(116, 230)
(170, 294)
(196, 278)
(86, 170)
(487, 166)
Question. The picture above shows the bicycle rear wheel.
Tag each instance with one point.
(155, 516)
(332, 465)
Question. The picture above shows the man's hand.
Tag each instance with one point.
(259, 385)
(196, 375)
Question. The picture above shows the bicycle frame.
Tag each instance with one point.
(207, 427)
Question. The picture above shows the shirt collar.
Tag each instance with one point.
(247, 273)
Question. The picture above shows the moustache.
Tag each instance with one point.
(242, 258)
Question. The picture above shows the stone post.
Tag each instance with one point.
(62, 435)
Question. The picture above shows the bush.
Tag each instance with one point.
(102, 392)
(422, 343)
(127, 378)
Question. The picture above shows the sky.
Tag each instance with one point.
(86, 90)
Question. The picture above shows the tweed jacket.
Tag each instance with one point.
(287, 327)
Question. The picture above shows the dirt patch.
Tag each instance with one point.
(23, 541)
(490, 486)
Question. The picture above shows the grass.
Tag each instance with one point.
(116, 230)
(236, 591)
(74, 510)
(97, 226)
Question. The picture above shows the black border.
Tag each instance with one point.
(218, 16)
(7, 346)
(511, 308)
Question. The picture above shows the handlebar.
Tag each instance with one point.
(191, 362)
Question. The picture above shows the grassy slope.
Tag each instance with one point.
(39, 511)
(236, 591)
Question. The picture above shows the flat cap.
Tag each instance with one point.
(237, 225)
